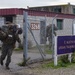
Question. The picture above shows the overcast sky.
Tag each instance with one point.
(32, 3)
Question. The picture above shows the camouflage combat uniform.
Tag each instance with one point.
(8, 45)
(49, 33)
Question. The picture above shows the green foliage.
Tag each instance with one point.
(62, 62)
(60, 65)
(48, 51)
(51, 65)
(24, 62)
(64, 59)
(73, 57)
(18, 49)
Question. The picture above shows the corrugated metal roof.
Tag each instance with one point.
(12, 11)
(16, 11)
(49, 14)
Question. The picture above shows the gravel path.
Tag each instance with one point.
(47, 71)
(33, 69)
(41, 71)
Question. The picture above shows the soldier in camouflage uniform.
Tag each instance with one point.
(9, 39)
(49, 33)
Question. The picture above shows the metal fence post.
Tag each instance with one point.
(25, 32)
(53, 36)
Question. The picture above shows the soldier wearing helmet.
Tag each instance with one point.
(9, 39)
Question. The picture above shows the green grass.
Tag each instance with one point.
(18, 49)
(24, 62)
(60, 65)
(50, 65)
(48, 51)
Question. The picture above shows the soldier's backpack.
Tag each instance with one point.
(7, 35)
(3, 33)
(11, 32)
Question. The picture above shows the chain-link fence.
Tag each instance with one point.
(38, 37)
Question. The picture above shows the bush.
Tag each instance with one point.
(73, 57)
(64, 59)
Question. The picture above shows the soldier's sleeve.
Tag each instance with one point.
(19, 41)
(3, 35)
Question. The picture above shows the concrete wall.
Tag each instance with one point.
(1, 21)
(19, 20)
(67, 26)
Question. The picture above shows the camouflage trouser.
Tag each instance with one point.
(50, 41)
(6, 51)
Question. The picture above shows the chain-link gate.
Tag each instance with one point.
(35, 29)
